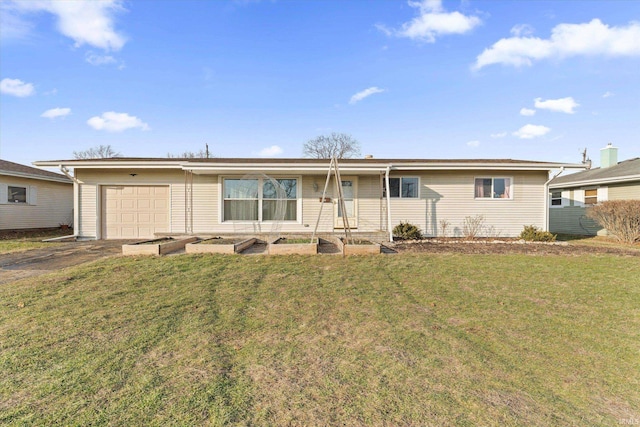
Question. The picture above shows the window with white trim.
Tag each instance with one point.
(591, 196)
(260, 199)
(403, 188)
(556, 198)
(16, 194)
(493, 188)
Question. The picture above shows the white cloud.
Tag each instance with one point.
(527, 112)
(274, 150)
(522, 30)
(95, 59)
(56, 112)
(433, 21)
(590, 39)
(365, 93)
(474, 143)
(531, 131)
(16, 87)
(86, 22)
(562, 105)
(607, 94)
(116, 122)
(499, 135)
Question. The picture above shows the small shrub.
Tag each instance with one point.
(444, 227)
(472, 226)
(407, 231)
(621, 218)
(531, 233)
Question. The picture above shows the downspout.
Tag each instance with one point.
(76, 199)
(386, 178)
(546, 198)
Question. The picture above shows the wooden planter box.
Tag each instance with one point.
(161, 246)
(360, 248)
(233, 247)
(280, 248)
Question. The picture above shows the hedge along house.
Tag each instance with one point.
(139, 197)
(571, 195)
(33, 198)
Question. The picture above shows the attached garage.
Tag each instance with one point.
(132, 212)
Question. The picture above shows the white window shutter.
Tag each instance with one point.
(566, 196)
(3, 194)
(33, 195)
(579, 197)
(603, 194)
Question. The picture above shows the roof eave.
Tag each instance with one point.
(581, 183)
(62, 179)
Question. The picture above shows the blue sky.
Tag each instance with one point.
(472, 79)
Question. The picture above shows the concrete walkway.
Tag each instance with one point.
(34, 262)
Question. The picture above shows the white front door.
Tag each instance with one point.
(349, 192)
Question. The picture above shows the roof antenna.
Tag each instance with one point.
(585, 160)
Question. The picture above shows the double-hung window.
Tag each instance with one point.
(493, 188)
(403, 188)
(260, 199)
(556, 198)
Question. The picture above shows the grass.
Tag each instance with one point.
(22, 240)
(463, 340)
(597, 241)
(293, 241)
(219, 241)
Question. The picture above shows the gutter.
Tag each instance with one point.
(546, 198)
(386, 178)
(76, 199)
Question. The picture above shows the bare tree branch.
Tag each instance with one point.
(340, 145)
(99, 152)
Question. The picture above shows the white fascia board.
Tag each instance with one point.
(62, 179)
(615, 180)
(280, 168)
(488, 166)
(110, 165)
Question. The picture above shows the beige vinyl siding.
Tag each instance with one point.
(88, 206)
(624, 191)
(53, 205)
(449, 196)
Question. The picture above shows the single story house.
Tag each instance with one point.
(571, 195)
(33, 198)
(118, 198)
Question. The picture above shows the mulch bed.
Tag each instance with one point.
(33, 233)
(508, 247)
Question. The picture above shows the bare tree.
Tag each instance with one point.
(200, 154)
(99, 152)
(340, 145)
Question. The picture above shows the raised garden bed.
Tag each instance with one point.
(160, 246)
(290, 246)
(219, 245)
(359, 247)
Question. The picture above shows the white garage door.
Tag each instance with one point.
(131, 212)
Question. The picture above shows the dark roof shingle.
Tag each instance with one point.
(11, 167)
(625, 168)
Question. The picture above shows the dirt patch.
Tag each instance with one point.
(56, 256)
(507, 247)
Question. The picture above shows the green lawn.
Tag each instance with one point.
(385, 340)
